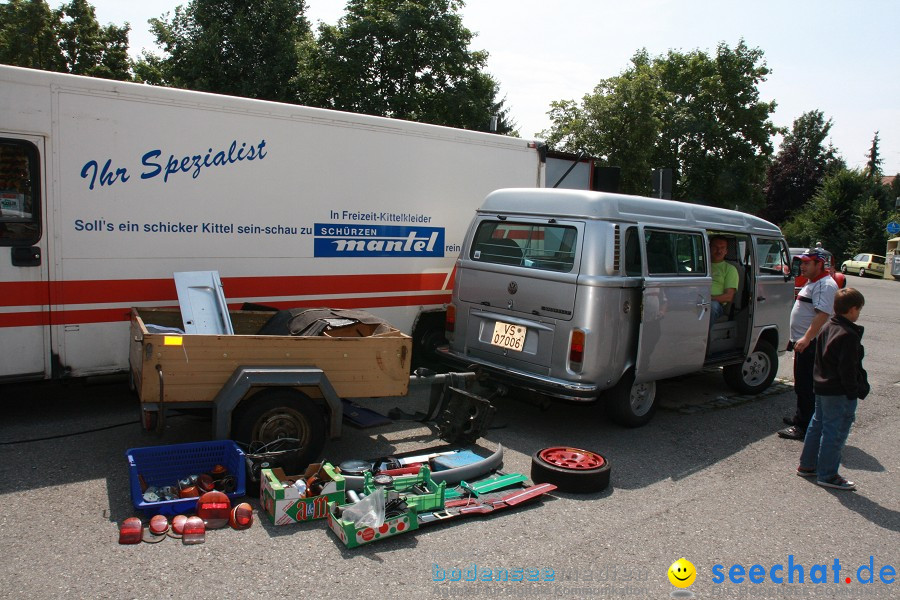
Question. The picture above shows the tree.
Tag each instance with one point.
(873, 166)
(869, 233)
(619, 123)
(68, 40)
(230, 47)
(696, 113)
(407, 60)
(845, 214)
(28, 35)
(799, 167)
(89, 49)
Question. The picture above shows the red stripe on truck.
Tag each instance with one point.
(112, 315)
(136, 291)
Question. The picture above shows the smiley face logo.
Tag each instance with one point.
(682, 573)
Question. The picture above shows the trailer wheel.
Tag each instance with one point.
(757, 371)
(278, 413)
(570, 469)
(630, 404)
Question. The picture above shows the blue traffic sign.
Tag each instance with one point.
(893, 227)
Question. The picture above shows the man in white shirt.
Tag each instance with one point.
(812, 309)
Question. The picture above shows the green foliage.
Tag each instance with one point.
(799, 167)
(873, 165)
(28, 35)
(88, 48)
(869, 233)
(230, 47)
(407, 60)
(68, 40)
(603, 126)
(698, 113)
(846, 214)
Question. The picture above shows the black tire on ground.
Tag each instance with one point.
(570, 469)
(282, 413)
(630, 404)
(844, 269)
(862, 272)
(757, 371)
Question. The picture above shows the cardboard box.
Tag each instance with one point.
(354, 536)
(282, 503)
(429, 497)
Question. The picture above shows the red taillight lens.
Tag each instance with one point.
(450, 320)
(241, 516)
(131, 531)
(215, 509)
(159, 525)
(177, 528)
(190, 491)
(194, 531)
(205, 483)
(576, 349)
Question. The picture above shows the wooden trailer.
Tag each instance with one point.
(261, 387)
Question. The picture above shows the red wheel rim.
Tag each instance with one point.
(572, 458)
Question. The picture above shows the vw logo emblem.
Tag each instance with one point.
(513, 287)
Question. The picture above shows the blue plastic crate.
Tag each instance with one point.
(165, 465)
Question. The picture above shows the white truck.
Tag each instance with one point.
(108, 188)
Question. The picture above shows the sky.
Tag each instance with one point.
(839, 57)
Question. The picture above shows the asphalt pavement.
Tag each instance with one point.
(707, 480)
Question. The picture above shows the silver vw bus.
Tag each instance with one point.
(573, 293)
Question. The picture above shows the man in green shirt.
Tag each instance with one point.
(724, 279)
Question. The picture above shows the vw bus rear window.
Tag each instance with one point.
(531, 245)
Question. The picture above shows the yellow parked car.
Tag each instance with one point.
(863, 264)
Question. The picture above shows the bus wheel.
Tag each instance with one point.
(281, 413)
(757, 371)
(631, 404)
(570, 469)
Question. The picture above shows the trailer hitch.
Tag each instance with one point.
(460, 415)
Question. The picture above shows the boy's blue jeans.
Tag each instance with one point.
(826, 435)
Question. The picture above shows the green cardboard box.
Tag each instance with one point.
(354, 536)
(282, 503)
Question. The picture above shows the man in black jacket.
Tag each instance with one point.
(839, 381)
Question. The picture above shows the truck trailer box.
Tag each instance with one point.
(111, 187)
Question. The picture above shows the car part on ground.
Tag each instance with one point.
(467, 472)
(570, 469)
(215, 509)
(194, 531)
(177, 526)
(241, 516)
(131, 531)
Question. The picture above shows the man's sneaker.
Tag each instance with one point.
(837, 482)
(804, 472)
(792, 433)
